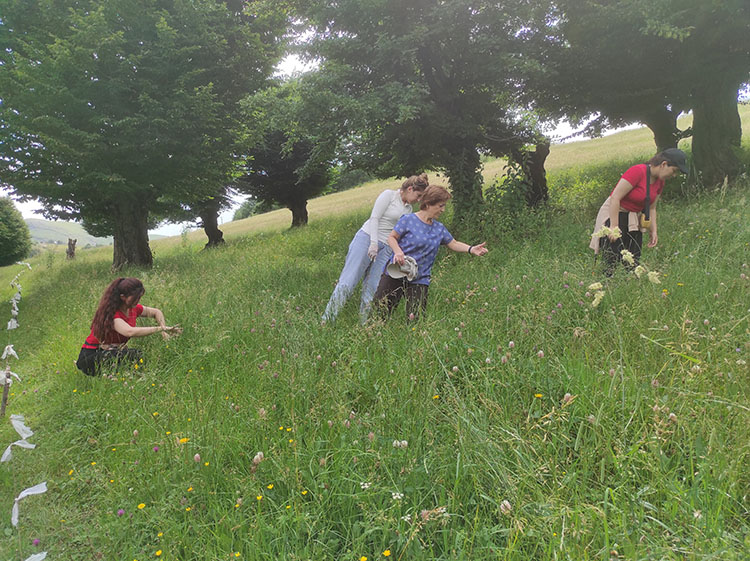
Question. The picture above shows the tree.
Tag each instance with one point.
(424, 84)
(289, 155)
(122, 113)
(277, 173)
(636, 61)
(15, 240)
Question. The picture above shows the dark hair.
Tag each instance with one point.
(434, 195)
(659, 158)
(416, 182)
(104, 318)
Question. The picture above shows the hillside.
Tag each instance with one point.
(515, 421)
(58, 232)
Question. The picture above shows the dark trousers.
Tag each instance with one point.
(90, 360)
(389, 294)
(610, 251)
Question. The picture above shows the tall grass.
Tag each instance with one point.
(615, 432)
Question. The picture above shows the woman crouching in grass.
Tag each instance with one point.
(114, 324)
(415, 241)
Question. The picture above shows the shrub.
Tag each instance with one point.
(15, 240)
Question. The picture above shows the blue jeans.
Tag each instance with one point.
(358, 267)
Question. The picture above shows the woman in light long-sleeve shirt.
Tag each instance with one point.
(369, 251)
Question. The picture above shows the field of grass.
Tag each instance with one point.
(530, 425)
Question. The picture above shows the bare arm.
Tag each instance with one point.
(123, 328)
(462, 247)
(398, 254)
(653, 236)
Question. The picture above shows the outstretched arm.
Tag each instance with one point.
(123, 328)
(462, 247)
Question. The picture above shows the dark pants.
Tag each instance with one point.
(610, 251)
(389, 294)
(90, 360)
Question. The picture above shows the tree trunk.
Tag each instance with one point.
(465, 177)
(299, 212)
(663, 123)
(532, 164)
(209, 214)
(131, 237)
(717, 131)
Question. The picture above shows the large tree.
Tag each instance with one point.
(424, 84)
(123, 112)
(15, 240)
(289, 151)
(628, 61)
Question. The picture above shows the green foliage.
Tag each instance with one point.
(15, 240)
(289, 160)
(647, 455)
(585, 188)
(423, 85)
(119, 111)
(637, 61)
(344, 178)
(252, 207)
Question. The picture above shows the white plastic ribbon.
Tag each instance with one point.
(23, 263)
(12, 324)
(24, 432)
(7, 379)
(19, 424)
(35, 490)
(9, 351)
(8, 455)
(38, 556)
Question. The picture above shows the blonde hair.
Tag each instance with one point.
(416, 182)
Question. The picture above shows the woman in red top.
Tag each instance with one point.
(625, 204)
(114, 324)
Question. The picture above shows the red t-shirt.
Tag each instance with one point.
(636, 199)
(113, 337)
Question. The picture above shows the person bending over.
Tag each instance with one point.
(369, 252)
(416, 239)
(630, 210)
(114, 324)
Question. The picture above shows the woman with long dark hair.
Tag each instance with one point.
(114, 324)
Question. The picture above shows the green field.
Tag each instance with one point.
(620, 431)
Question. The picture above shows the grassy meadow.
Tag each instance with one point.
(515, 421)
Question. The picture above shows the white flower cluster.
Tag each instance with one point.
(400, 444)
(609, 232)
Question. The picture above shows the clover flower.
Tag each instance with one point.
(627, 257)
(653, 277)
(639, 271)
(595, 286)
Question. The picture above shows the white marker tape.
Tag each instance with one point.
(35, 490)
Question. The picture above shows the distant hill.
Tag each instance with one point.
(58, 232)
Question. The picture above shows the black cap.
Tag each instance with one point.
(676, 157)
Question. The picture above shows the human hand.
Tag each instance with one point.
(654, 239)
(171, 331)
(398, 257)
(372, 251)
(479, 249)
